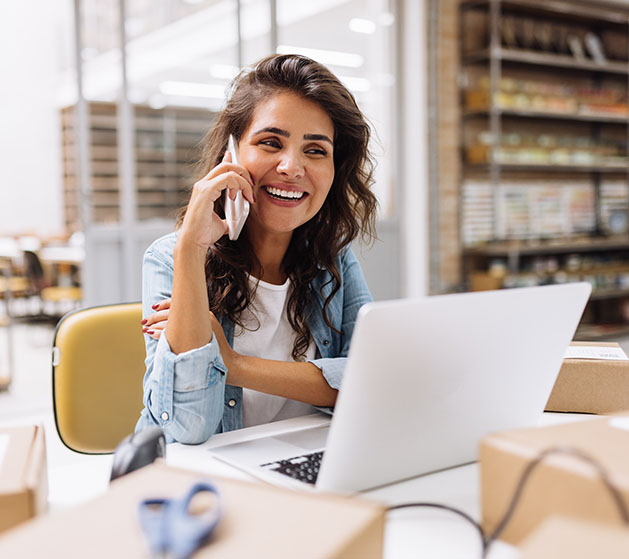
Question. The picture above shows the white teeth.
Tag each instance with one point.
(290, 194)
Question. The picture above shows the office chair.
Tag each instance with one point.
(47, 291)
(97, 370)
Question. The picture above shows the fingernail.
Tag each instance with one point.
(155, 306)
(143, 321)
(150, 332)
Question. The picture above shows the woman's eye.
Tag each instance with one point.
(271, 142)
(317, 151)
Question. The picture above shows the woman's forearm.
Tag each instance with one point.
(298, 381)
(189, 325)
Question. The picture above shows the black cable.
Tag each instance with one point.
(571, 451)
(448, 508)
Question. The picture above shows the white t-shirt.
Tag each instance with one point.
(268, 335)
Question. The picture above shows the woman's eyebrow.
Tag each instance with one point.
(318, 137)
(274, 130)
(286, 134)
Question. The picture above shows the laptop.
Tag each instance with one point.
(425, 380)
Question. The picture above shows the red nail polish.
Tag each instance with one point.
(155, 306)
(143, 321)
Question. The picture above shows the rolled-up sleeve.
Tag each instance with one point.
(343, 311)
(183, 393)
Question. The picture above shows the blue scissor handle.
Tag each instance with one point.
(171, 528)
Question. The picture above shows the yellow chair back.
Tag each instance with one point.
(98, 365)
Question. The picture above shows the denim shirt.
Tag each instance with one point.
(186, 394)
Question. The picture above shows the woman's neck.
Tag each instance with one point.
(270, 249)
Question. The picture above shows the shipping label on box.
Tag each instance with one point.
(561, 483)
(593, 379)
(23, 475)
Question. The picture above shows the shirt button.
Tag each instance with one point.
(326, 342)
(165, 416)
(231, 403)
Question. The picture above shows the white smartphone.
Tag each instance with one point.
(236, 211)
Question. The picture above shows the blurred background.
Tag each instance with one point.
(499, 129)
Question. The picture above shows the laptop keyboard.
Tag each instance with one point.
(303, 468)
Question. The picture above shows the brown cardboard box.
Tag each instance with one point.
(23, 475)
(560, 536)
(560, 484)
(259, 520)
(591, 385)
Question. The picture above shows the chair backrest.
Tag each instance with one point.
(98, 365)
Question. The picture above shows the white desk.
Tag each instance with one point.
(410, 533)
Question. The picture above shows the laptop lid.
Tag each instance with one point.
(426, 379)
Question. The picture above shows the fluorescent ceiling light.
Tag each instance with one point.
(332, 57)
(224, 71)
(192, 89)
(361, 25)
(356, 84)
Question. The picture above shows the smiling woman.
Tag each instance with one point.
(255, 330)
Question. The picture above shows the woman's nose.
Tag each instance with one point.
(291, 165)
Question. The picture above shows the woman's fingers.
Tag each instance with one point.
(163, 304)
(162, 309)
(235, 182)
(155, 318)
(236, 177)
(155, 330)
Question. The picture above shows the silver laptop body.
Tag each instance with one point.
(426, 379)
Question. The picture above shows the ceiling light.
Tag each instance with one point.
(192, 89)
(361, 25)
(332, 57)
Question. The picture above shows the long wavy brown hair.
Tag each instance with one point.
(348, 211)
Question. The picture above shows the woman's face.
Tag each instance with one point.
(288, 150)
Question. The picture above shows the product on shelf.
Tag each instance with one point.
(547, 149)
(540, 96)
(527, 210)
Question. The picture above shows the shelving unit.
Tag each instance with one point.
(545, 158)
(165, 149)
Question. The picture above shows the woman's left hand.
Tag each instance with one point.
(154, 324)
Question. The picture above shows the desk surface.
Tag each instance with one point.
(410, 533)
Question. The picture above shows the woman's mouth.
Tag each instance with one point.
(281, 194)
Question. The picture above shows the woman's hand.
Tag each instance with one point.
(201, 225)
(154, 324)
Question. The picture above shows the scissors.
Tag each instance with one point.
(173, 531)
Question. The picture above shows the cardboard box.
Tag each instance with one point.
(259, 520)
(23, 474)
(591, 385)
(560, 536)
(561, 483)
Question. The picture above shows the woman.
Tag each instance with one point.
(258, 329)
